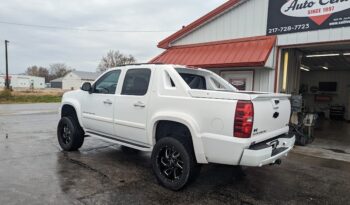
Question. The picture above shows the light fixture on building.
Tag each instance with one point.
(304, 68)
(323, 55)
(346, 54)
(285, 71)
(324, 67)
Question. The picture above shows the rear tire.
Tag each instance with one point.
(174, 163)
(69, 134)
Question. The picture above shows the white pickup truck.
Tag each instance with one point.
(184, 116)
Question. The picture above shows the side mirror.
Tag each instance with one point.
(86, 87)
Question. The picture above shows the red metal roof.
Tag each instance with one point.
(243, 52)
(219, 10)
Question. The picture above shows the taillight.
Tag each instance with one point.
(244, 118)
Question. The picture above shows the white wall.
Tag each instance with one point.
(341, 97)
(250, 19)
(24, 81)
(71, 82)
(264, 80)
(247, 20)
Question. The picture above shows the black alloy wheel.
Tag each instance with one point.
(174, 163)
(69, 134)
(66, 134)
(170, 163)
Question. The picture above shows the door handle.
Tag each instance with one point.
(139, 104)
(108, 102)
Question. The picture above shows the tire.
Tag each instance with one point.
(69, 134)
(174, 163)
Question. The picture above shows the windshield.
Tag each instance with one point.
(200, 79)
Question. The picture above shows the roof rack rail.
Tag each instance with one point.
(141, 64)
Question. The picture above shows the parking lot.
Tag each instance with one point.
(33, 170)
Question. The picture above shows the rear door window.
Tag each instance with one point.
(136, 82)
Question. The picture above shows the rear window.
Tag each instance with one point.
(194, 81)
(200, 79)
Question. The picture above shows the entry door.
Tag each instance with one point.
(132, 105)
(98, 106)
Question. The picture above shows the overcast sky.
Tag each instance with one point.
(83, 50)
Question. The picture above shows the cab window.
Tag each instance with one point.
(136, 81)
(107, 84)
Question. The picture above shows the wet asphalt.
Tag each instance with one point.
(34, 170)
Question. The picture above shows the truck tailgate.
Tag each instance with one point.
(271, 113)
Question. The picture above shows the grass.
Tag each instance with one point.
(8, 97)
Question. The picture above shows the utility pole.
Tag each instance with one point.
(7, 82)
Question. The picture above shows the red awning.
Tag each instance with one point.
(247, 52)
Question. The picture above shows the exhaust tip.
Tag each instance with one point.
(277, 162)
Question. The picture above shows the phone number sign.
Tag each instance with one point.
(290, 16)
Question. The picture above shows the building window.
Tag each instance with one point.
(242, 80)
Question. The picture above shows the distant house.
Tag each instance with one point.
(74, 79)
(56, 83)
(23, 81)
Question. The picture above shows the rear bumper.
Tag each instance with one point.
(267, 152)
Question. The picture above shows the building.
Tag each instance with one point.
(75, 79)
(23, 81)
(56, 83)
(296, 47)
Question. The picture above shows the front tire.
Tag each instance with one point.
(173, 163)
(69, 134)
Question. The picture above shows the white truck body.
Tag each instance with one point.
(209, 114)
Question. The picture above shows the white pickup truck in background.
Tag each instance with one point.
(184, 116)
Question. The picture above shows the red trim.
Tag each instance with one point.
(247, 39)
(219, 10)
(250, 52)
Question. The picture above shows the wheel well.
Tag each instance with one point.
(169, 128)
(176, 130)
(68, 110)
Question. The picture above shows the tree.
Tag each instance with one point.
(38, 71)
(58, 70)
(113, 59)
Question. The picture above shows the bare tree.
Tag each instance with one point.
(38, 71)
(113, 59)
(58, 70)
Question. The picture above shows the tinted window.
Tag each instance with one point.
(107, 83)
(194, 81)
(136, 82)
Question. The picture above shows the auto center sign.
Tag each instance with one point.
(290, 16)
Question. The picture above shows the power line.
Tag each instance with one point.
(83, 29)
